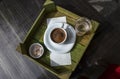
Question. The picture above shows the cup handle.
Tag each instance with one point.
(64, 26)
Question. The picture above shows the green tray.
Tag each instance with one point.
(36, 34)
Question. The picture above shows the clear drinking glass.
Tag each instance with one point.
(83, 26)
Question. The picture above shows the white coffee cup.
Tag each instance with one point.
(58, 35)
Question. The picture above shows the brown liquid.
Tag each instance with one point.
(58, 35)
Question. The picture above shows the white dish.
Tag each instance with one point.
(60, 48)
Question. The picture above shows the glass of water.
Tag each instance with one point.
(82, 26)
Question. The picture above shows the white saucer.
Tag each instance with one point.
(60, 48)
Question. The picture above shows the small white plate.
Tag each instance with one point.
(60, 48)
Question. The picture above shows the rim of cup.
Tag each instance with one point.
(64, 32)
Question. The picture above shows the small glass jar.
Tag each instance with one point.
(82, 26)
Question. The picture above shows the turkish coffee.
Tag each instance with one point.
(58, 35)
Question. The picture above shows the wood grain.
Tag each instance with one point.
(16, 18)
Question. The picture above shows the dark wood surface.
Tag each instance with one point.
(16, 18)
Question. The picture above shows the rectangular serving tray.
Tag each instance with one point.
(36, 34)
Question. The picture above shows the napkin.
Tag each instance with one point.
(55, 58)
(60, 59)
(56, 20)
